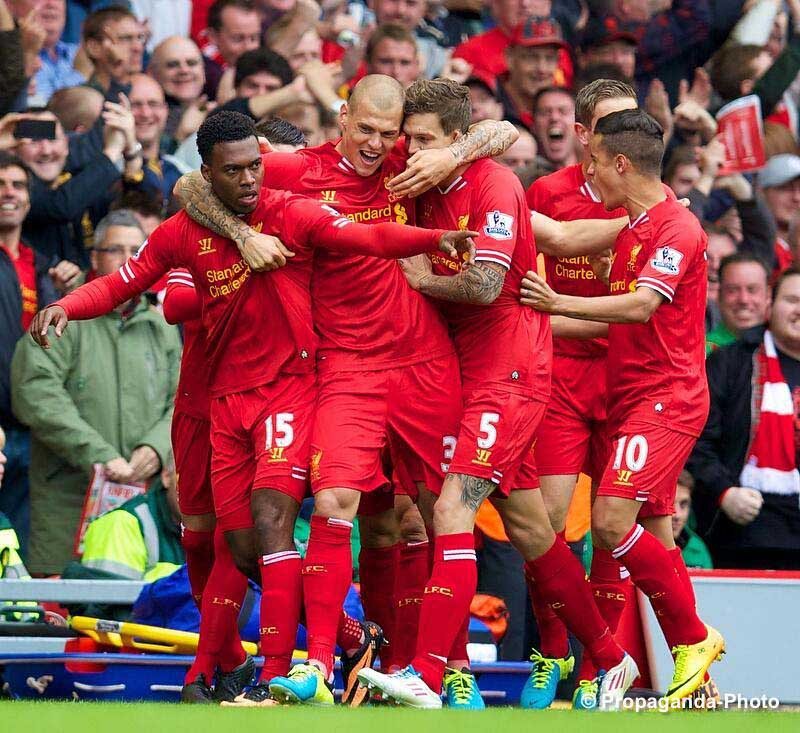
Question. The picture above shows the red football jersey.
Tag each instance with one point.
(182, 305)
(258, 325)
(504, 345)
(366, 314)
(656, 370)
(566, 195)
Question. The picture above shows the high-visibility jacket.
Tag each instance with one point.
(138, 541)
(11, 565)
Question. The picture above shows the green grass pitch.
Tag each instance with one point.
(88, 717)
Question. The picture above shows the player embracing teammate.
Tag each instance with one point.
(504, 351)
(657, 390)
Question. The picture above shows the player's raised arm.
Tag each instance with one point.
(575, 238)
(635, 307)
(426, 168)
(325, 227)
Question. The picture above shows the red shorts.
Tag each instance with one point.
(644, 466)
(496, 437)
(191, 446)
(413, 410)
(260, 440)
(573, 437)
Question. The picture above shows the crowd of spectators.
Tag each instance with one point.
(100, 103)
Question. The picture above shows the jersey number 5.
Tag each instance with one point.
(487, 427)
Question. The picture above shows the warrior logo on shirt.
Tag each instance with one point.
(206, 246)
(316, 459)
(623, 477)
(498, 225)
(667, 260)
(482, 457)
(276, 455)
(329, 197)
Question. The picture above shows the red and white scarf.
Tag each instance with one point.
(771, 465)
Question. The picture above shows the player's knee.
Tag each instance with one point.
(379, 530)
(608, 530)
(450, 516)
(412, 526)
(337, 503)
(530, 539)
(274, 528)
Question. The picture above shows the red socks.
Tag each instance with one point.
(377, 569)
(349, 635)
(683, 573)
(561, 581)
(652, 570)
(611, 587)
(446, 601)
(458, 658)
(553, 640)
(413, 571)
(327, 573)
(199, 550)
(219, 615)
(281, 592)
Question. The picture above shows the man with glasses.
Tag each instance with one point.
(102, 394)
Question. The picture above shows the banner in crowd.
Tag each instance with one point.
(742, 133)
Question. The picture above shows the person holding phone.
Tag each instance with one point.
(63, 208)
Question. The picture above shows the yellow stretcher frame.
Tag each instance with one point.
(140, 636)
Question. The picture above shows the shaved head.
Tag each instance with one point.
(370, 122)
(382, 92)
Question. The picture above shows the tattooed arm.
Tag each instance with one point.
(479, 284)
(484, 140)
(260, 251)
(427, 168)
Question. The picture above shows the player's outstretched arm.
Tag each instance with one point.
(575, 238)
(479, 284)
(426, 168)
(635, 307)
(260, 251)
